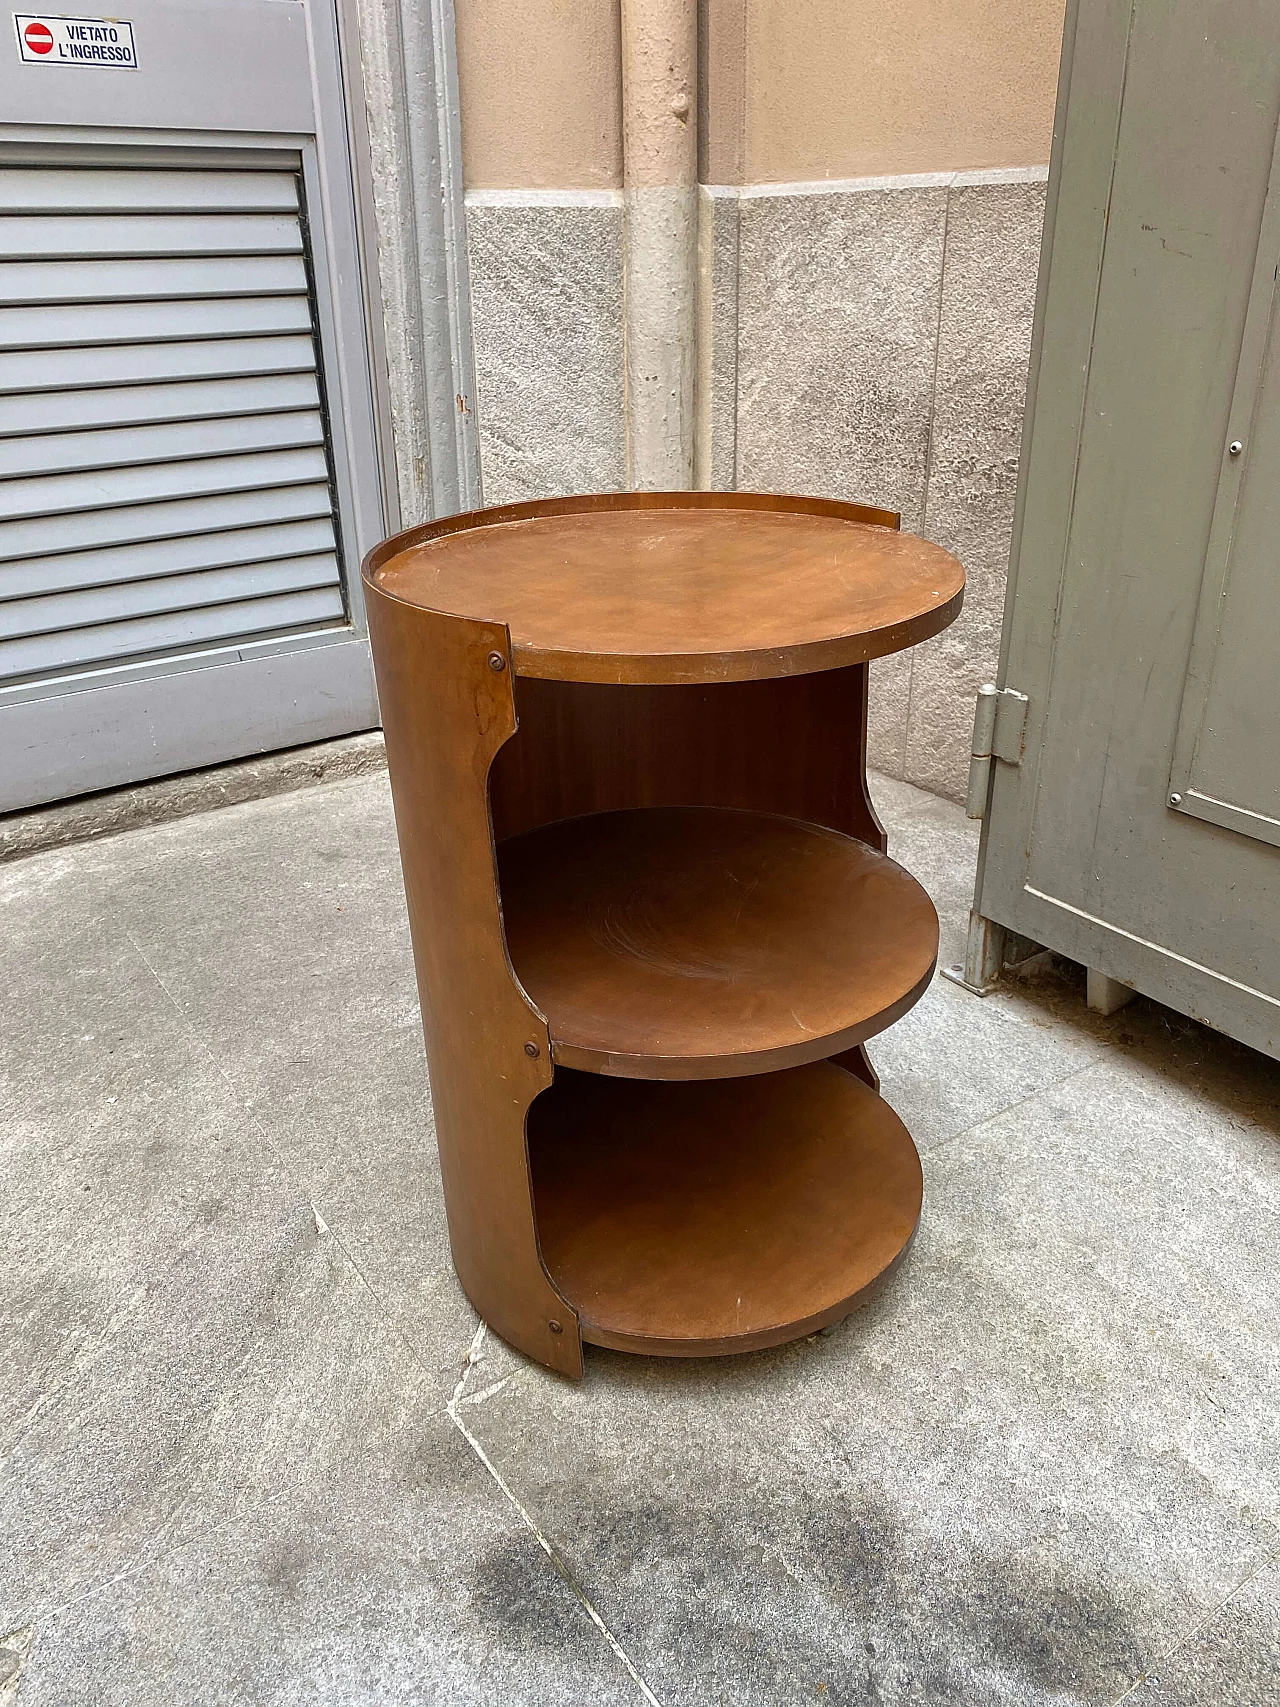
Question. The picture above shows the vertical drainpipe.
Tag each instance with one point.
(660, 162)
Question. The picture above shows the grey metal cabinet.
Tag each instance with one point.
(1137, 826)
(189, 466)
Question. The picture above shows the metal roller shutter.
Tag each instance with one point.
(165, 480)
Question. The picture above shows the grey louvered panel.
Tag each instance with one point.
(197, 400)
(53, 496)
(120, 447)
(164, 477)
(98, 605)
(109, 642)
(151, 322)
(31, 238)
(56, 370)
(151, 280)
(92, 528)
(98, 189)
(111, 565)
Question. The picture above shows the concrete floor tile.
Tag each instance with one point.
(1226, 1074)
(745, 1549)
(1036, 1470)
(143, 1221)
(955, 1061)
(337, 1539)
(282, 942)
(939, 846)
(127, 1414)
(1233, 1661)
(1039, 1460)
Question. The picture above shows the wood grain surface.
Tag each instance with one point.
(679, 587)
(692, 942)
(696, 1219)
(446, 712)
(627, 744)
(796, 746)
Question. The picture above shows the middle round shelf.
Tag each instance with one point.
(695, 942)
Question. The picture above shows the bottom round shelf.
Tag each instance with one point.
(690, 1219)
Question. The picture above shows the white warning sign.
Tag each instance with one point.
(103, 42)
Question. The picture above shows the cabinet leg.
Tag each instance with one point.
(990, 948)
(983, 957)
(1106, 995)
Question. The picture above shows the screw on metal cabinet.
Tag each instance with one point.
(555, 1326)
(1175, 800)
(531, 1049)
(1235, 447)
(497, 661)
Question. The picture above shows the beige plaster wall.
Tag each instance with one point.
(540, 83)
(791, 90)
(871, 87)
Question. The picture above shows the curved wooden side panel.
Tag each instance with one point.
(446, 712)
(794, 745)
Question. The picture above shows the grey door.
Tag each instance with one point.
(1139, 832)
(188, 467)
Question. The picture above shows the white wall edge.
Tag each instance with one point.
(756, 192)
(1002, 175)
(894, 181)
(544, 198)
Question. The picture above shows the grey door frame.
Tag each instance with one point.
(400, 61)
(1082, 174)
(398, 374)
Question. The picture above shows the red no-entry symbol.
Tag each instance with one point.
(38, 37)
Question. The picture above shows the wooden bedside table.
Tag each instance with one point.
(652, 915)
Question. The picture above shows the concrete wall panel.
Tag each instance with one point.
(546, 285)
(984, 345)
(837, 323)
(868, 343)
(867, 264)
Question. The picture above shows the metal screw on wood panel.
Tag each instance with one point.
(497, 661)
(1235, 447)
(1175, 800)
(531, 1049)
(555, 1326)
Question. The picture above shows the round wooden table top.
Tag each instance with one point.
(679, 586)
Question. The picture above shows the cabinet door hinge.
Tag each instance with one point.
(999, 729)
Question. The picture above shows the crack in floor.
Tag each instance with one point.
(548, 1546)
(1170, 1653)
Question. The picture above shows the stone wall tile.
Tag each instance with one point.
(984, 344)
(716, 460)
(887, 713)
(838, 316)
(546, 305)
